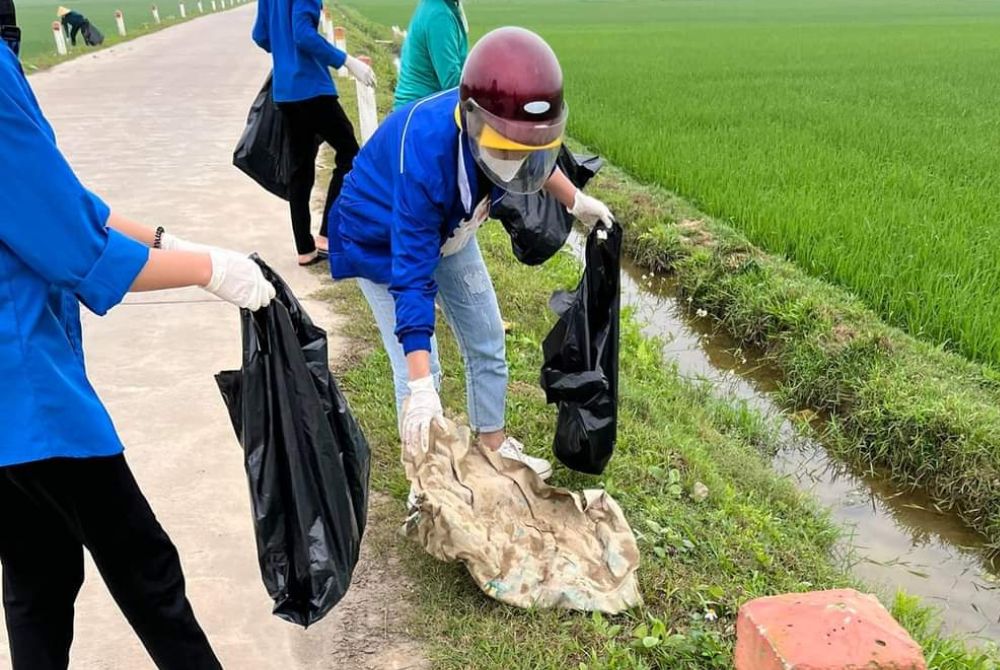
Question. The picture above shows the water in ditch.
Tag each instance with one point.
(898, 539)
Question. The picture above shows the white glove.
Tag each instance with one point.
(590, 210)
(170, 242)
(238, 280)
(423, 406)
(363, 73)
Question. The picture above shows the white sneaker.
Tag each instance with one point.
(514, 450)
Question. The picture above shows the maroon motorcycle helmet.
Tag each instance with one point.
(513, 109)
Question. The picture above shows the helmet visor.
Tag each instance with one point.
(517, 156)
(516, 171)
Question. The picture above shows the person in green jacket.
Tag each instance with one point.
(437, 43)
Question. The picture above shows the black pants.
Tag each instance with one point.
(50, 511)
(76, 25)
(321, 117)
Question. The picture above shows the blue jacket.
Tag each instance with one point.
(302, 58)
(413, 183)
(54, 250)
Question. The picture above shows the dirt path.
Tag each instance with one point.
(150, 125)
(362, 632)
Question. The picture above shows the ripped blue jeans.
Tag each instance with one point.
(466, 295)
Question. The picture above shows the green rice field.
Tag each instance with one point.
(861, 139)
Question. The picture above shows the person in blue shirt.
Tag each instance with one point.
(304, 91)
(64, 483)
(405, 223)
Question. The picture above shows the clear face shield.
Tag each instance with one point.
(517, 156)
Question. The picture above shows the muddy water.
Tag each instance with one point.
(897, 539)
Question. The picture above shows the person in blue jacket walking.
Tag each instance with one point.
(64, 483)
(304, 91)
(405, 223)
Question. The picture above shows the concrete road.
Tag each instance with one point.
(150, 125)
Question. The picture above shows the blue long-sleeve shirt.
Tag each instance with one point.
(414, 182)
(302, 58)
(55, 249)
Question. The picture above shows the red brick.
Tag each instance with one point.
(822, 630)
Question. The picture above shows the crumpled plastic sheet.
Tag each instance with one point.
(524, 543)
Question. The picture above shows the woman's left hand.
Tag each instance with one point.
(239, 280)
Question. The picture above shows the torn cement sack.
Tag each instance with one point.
(524, 543)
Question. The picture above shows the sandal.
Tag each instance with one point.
(318, 258)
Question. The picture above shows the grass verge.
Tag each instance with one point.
(702, 558)
(38, 49)
(753, 535)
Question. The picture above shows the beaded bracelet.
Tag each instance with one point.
(158, 237)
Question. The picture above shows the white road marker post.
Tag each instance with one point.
(327, 24)
(60, 37)
(184, 13)
(120, 22)
(201, 7)
(156, 14)
(367, 107)
(340, 41)
(213, 6)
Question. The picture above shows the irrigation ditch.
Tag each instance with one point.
(896, 537)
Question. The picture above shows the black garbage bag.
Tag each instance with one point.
(537, 223)
(306, 458)
(264, 151)
(92, 37)
(580, 369)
